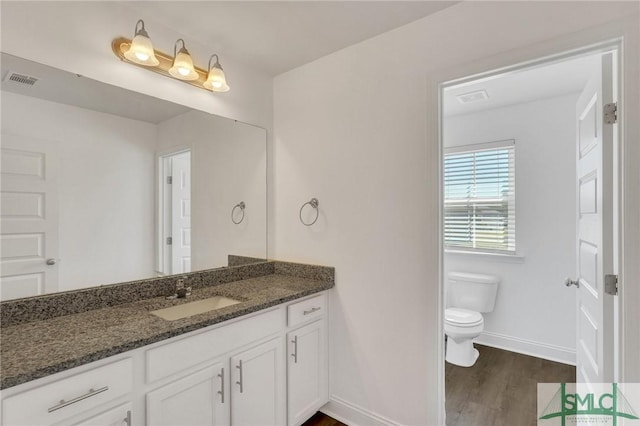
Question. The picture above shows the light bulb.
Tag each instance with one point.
(141, 49)
(216, 80)
(182, 68)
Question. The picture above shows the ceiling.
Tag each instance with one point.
(546, 81)
(277, 36)
(63, 87)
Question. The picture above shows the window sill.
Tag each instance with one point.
(493, 257)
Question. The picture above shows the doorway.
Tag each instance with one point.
(518, 204)
(174, 195)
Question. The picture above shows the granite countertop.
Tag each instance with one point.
(35, 349)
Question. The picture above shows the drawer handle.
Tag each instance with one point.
(127, 420)
(312, 310)
(89, 394)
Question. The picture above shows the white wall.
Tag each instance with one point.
(76, 36)
(105, 188)
(357, 130)
(534, 311)
(228, 165)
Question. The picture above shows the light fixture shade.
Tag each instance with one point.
(182, 68)
(141, 49)
(216, 80)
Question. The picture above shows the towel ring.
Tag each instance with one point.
(241, 205)
(313, 203)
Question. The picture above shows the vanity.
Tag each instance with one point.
(113, 202)
(106, 360)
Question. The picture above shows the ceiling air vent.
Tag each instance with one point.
(25, 79)
(478, 95)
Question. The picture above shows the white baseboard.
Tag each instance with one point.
(528, 347)
(353, 415)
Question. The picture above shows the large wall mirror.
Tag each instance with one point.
(103, 185)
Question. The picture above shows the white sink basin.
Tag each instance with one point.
(194, 308)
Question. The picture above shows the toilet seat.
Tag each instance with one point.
(459, 317)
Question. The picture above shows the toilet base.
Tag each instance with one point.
(461, 353)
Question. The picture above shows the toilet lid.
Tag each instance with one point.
(462, 317)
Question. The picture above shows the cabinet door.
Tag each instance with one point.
(258, 386)
(119, 416)
(307, 371)
(199, 399)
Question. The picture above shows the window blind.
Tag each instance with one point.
(479, 197)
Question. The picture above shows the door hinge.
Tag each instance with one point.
(611, 284)
(611, 113)
(169, 241)
(169, 180)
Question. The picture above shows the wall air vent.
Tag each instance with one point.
(18, 78)
(475, 96)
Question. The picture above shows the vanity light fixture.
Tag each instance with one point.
(140, 52)
(182, 68)
(141, 49)
(216, 81)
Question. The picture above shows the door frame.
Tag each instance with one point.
(161, 198)
(534, 56)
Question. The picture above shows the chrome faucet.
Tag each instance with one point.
(181, 290)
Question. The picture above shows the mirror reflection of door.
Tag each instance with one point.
(176, 240)
(29, 217)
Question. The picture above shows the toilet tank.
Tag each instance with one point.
(476, 292)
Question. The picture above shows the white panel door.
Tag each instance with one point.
(181, 213)
(196, 400)
(307, 370)
(258, 386)
(119, 416)
(594, 351)
(28, 217)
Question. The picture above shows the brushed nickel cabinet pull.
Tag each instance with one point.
(295, 349)
(89, 394)
(127, 420)
(221, 391)
(312, 310)
(239, 367)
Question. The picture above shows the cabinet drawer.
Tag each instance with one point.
(306, 310)
(188, 352)
(67, 397)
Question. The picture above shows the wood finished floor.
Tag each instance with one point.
(500, 389)
(320, 419)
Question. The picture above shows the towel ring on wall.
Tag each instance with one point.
(241, 205)
(313, 203)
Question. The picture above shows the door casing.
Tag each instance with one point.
(480, 70)
(163, 222)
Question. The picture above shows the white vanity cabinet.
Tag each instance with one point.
(246, 389)
(118, 416)
(238, 373)
(62, 400)
(307, 360)
(197, 399)
(258, 385)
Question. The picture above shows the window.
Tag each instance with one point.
(479, 197)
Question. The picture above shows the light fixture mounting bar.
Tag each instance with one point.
(121, 44)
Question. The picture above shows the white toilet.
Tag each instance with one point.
(468, 296)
